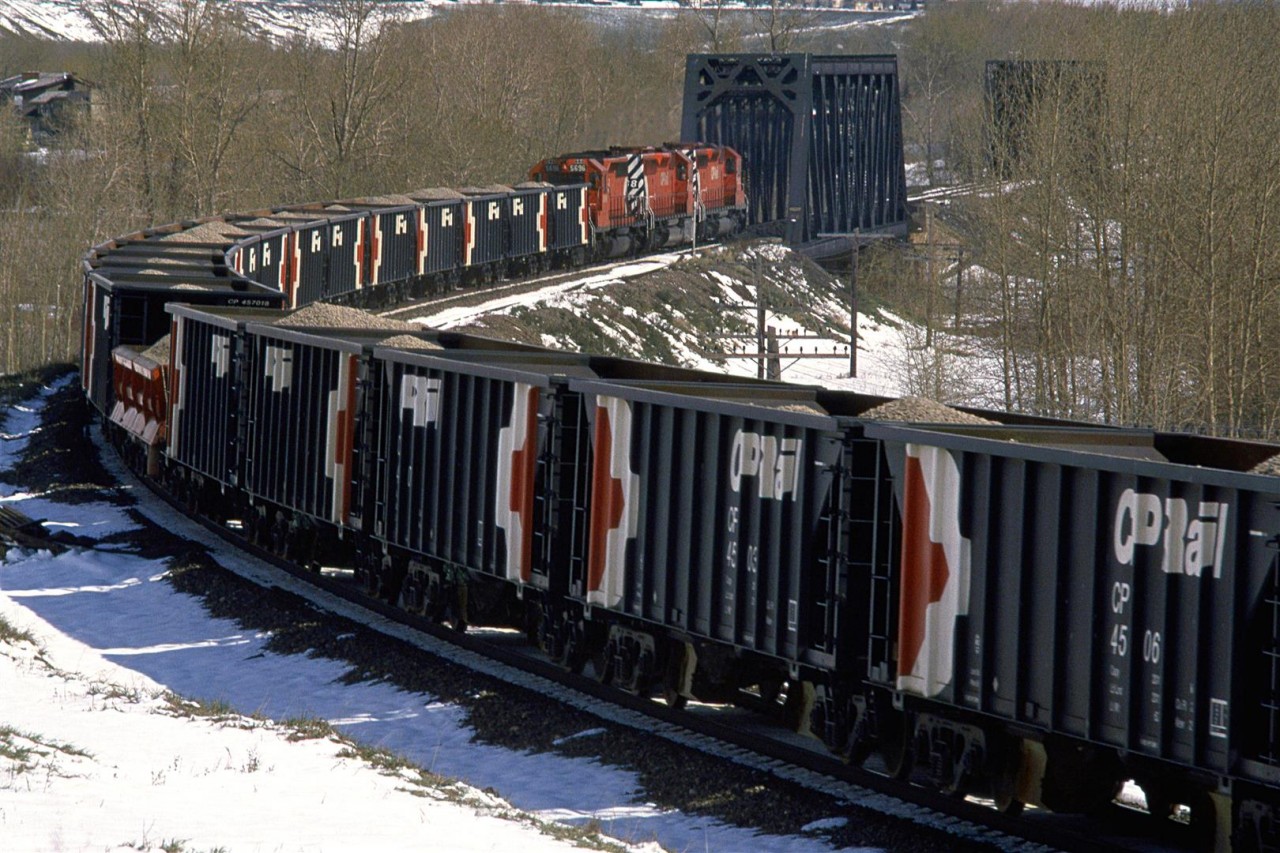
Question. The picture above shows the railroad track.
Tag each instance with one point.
(485, 299)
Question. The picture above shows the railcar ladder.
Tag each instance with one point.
(1268, 681)
(834, 578)
(858, 540)
(878, 559)
(570, 507)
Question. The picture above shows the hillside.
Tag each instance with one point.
(67, 20)
(702, 312)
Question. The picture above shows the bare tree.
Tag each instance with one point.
(780, 24)
(344, 96)
(217, 87)
(130, 30)
(720, 33)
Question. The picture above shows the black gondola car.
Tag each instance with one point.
(265, 259)
(1085, 590)
(717, 511)
(393, 245)
(205, 389)
(441, 230)
(484, 248)
(460, 478)
(130, 310)
(568, 219)
(526, 226)
(344, 261)
(303, 384)
(310, 262)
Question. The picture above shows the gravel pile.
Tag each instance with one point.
(321, 315)
(410, 342)
(802, 408)
(435, 194)
(265, 222)
(489, 189)
(921, 410)
(207, 232)
(385, 201)
(159, 351)
(1269, 466)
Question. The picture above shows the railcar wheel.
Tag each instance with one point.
(573, 658)
(602, 663)
(460, 620)
(1004, 781)
(797, 711)
(896, 744)
(677, 678)
(1211, 820)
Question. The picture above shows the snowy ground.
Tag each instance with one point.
(281, 20)
(94, 757)
(889, 347)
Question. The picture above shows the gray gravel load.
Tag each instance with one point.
(385, 201)
(487, 189)
(1269, 466)
(410, 342)
(921, 410)
(207, 232)
(802, 408)
(159, 351)
(435, 194)
(324, 316)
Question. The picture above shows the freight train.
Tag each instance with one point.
(577, 208)
(1029, 610)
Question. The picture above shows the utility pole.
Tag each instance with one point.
(774, 370)
(928, 274)
(853, 307)
(768, 353)
(760, 343)
(759, 321)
